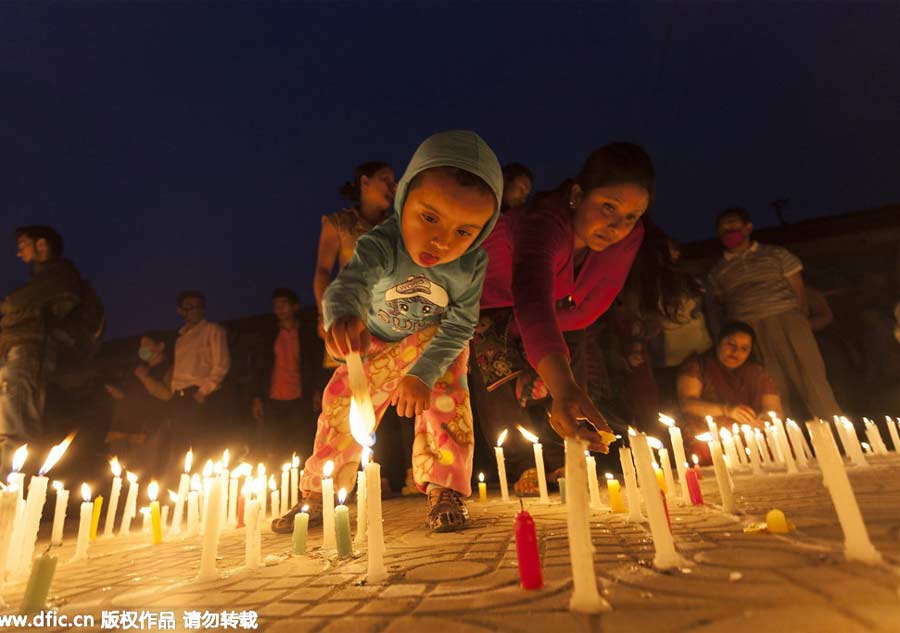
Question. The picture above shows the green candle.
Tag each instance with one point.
(342, 527)
(42, 570)
(301, 523)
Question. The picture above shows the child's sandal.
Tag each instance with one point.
(285, 524)
(447, 512)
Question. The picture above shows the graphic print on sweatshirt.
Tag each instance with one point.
(414, 304)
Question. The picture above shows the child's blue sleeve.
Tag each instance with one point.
(455, 331)
(350, 294)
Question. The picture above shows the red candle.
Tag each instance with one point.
(694, 487)
(527, 550)
(240, 510)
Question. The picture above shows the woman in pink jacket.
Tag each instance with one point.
(555, 266)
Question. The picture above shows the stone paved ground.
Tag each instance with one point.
(467, 582)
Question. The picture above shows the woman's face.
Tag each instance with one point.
(606, 215)
(377, 190)
(734, 349)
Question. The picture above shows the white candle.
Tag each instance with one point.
(795, 433)
(113, 506)
(729, 448)
(874, 436)
(252, 534)
(274, 498)
(59, 514)
(501, 466)
(857, 545)
(667, 470)
(631, 487)
(328, 506)
(680, 458)
(593, 485)
(211, 529)
(585, 597)
(714, 430)
(34, 507)
(852, 446)
(165, 520)
(666, 557)
(774, 446)
(145, 520)
(130, 503)
(183, 487)
(285, 487)
(892, 431)
(376, 570)
(193, 507)
(782, 439)
(361, 499)
(207, 489)
(84, 524)
(9, 504)
(752, 449)
(15, 540)
(538, 462)
(761, 446)
(233, 492)
(743, 458)
(295, 479)
(721, 472)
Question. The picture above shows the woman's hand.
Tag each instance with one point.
(742, 414)
(411, 397)
(347, 334)
(573, 405)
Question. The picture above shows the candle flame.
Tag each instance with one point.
(132, 478)
(55, 453)
(632, 432)
(196, 485)
(866, 446)
(656, 466)
(153, 490)
(244, 470)
(58, 485)
(724, 433)
(695, 459)
(19, 457)
(226, 456)
(704, 437)
(260, 470)
(115, 466)
(208, 468)
(305, 508)
(173, 496)
(746, 428)
(502, 437)
(528, 435)
(481, 477)
(773, 415)
(217, 468)
(329, 468)
(609, 476)
(188, 460)
(295, 461)
(709, 420)
(272, 485)
(285, 467)
(655, 443)
(85, 492)
(342, 494)
(666, 420)
(361, 430)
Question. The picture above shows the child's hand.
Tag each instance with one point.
(347, 334)
(412, 397)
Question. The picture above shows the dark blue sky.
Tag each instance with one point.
(197, 145)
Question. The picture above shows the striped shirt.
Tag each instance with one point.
(753, 284)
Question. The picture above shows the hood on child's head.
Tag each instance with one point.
(464, 150)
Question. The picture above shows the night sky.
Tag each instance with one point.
(197, 145)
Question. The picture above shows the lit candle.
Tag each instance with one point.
(666, 557)
(660, 477)
(783, 445)
(696, 466)
(362, 423)
(678, 452)
(39, 581)
(728, 447)
(84, 524)
(243, 499)
(130, 503)
(694, 488)
(342, 526)
(295, 480)
(9, 508)
(165, 517)
(482, 489)
(184, 484)
(208, 471)
(752, 449)
(95, 518)
(234, 490)
(530, 576)
(798, 442)
(275, 497)
(892, 431)
(113, 497)
(145, 522)
(16, 478)
(852, 447)
(761, 446)
(59, 514)
(593, 485)
(714, 431)
(253, 534)
(285, 487)
(585, 597)
(538, 462)
(193, 507)
(774, 446)
(857, 545)
(301, 526)
(361, 499)
(615, 494)
(155, 518)
(721, 472)
(501, 466)
(211, 529)
(327, 506)
(874, 436)
(738, 446)
(631, 487)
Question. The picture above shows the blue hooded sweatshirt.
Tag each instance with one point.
(398, 297)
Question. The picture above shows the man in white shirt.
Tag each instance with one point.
(201, 364)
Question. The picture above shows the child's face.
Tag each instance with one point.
(441, 218)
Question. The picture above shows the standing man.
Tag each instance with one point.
(279, 407)
(762, 285)
(27, 354)
(201, 363)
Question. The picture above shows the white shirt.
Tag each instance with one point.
(201, 357)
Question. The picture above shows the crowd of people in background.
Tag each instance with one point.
(568, 312)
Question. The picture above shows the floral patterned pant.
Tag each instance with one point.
(444, 443)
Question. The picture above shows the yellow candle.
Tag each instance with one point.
(615, 494)
(155, 522)
(482, 488)
(95, 517)
(660, 477)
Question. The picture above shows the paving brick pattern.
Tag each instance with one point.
(467, 581)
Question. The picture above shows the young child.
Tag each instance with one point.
(408, 301)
